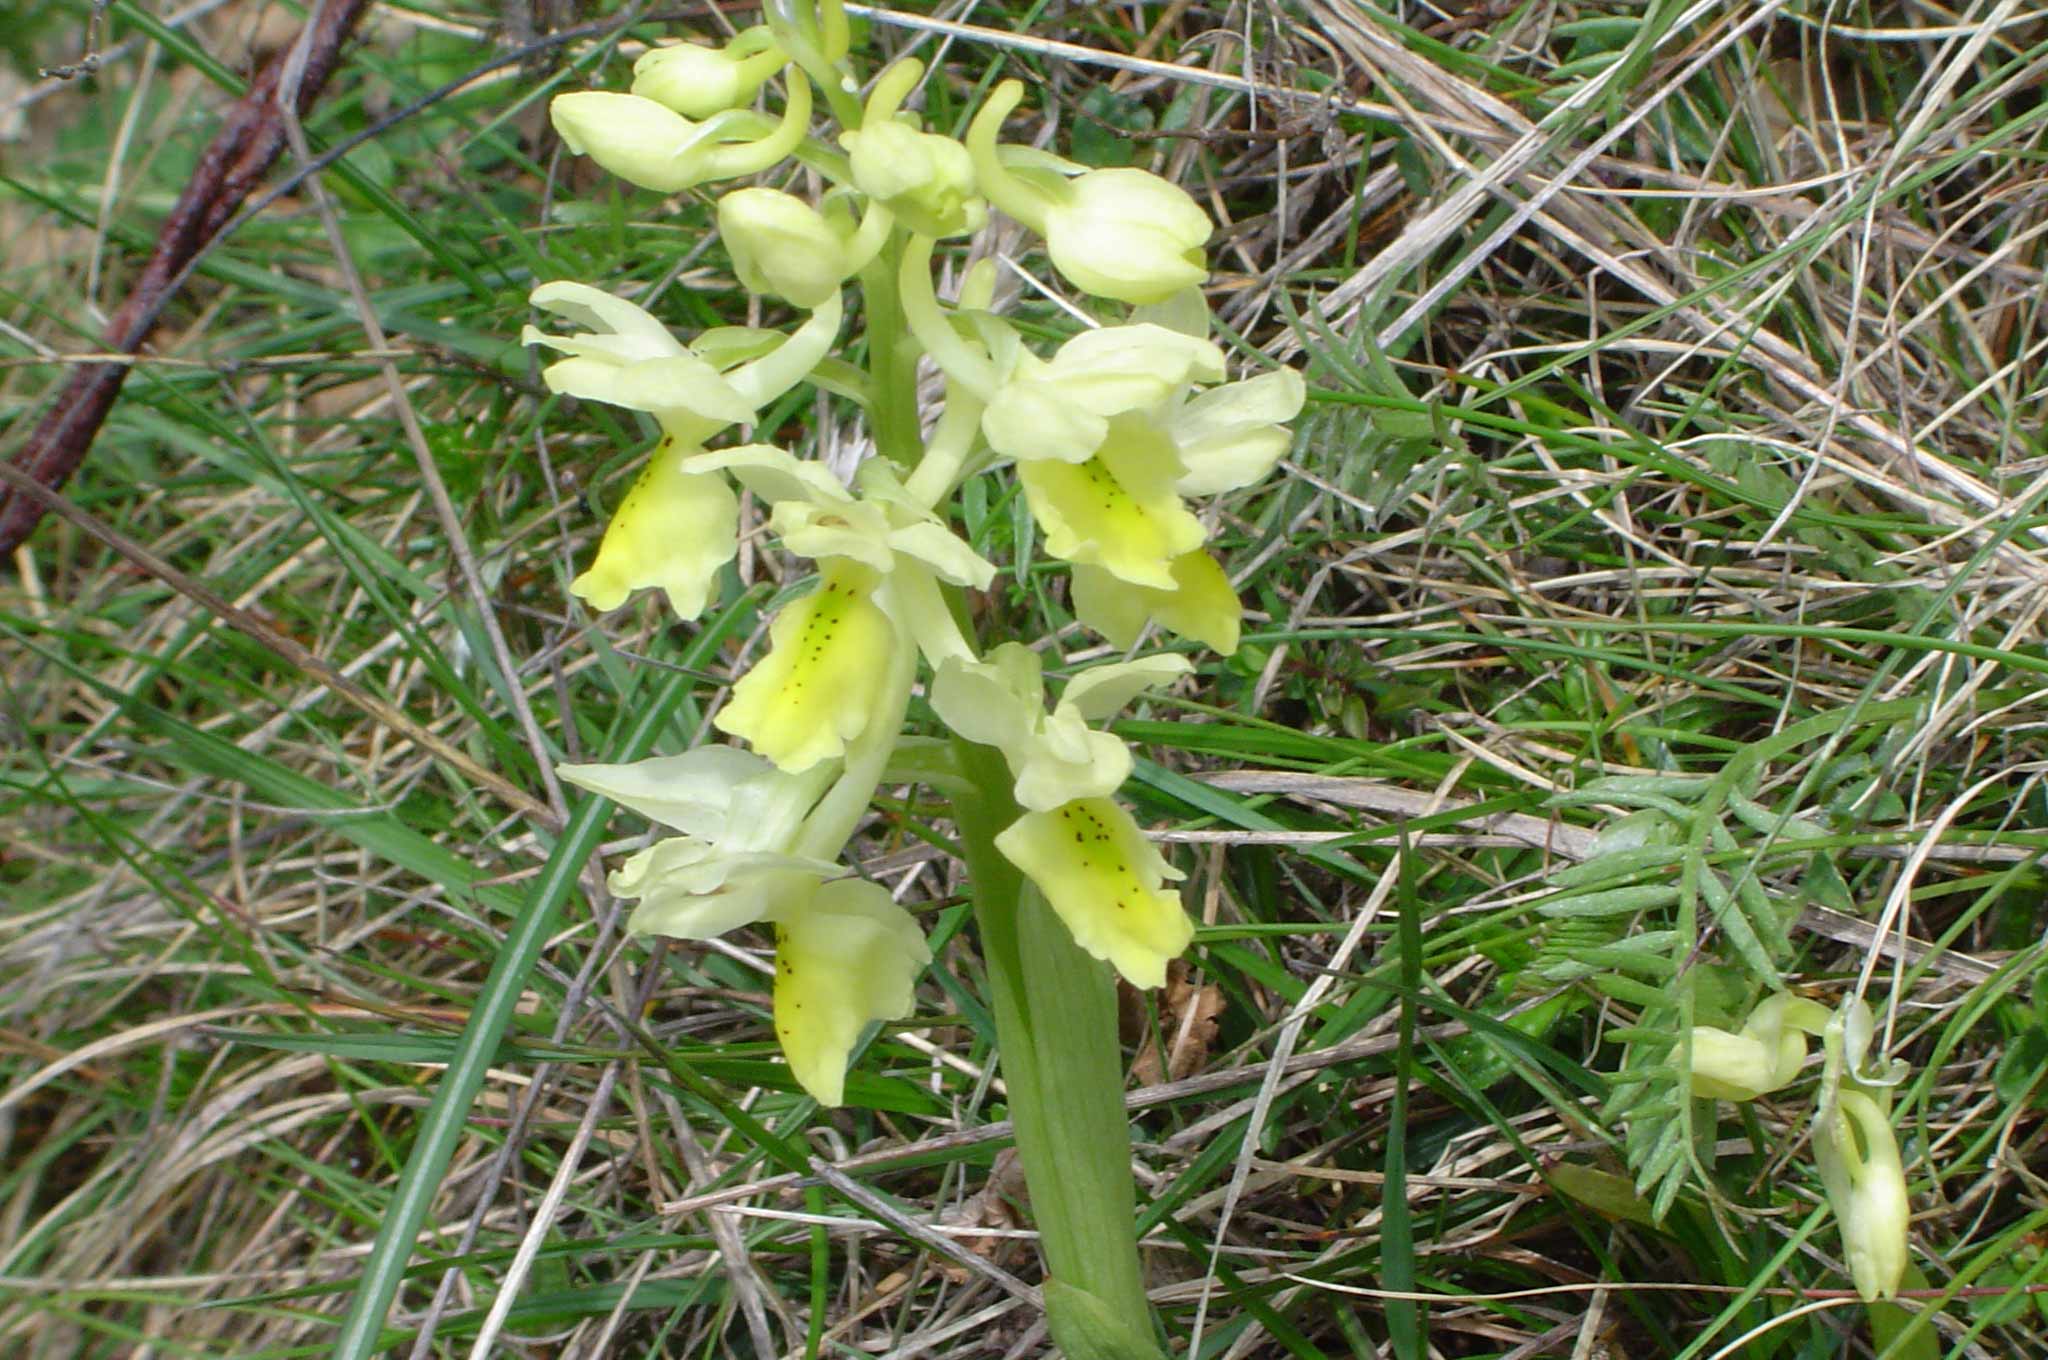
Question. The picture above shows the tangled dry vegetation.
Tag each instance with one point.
(1677, 374)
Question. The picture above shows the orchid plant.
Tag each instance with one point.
(1115, 439)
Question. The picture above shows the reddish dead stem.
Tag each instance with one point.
(234, 162)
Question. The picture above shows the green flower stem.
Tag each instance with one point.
(1024, 201)
(828, 161)
(1055, 1011)
(875, 230)
(891, 88)
(799, 32)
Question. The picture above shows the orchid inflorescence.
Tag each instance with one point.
(1113, 438)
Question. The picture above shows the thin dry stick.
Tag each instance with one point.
(938, 1242)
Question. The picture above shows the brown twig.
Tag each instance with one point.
(241, 152)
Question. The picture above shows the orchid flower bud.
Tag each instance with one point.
(1124, 234)
(698, 82)
(1764, 1057)
(924, 179)
(1129, 235)
(782, 246)
(1859, 1164)
(657, 148)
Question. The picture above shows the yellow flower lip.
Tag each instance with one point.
(1107, 440)
(822, 681)
(1201, 605)
(844, 958)
(673, 531)
(1118, 510)
(1104, 880)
